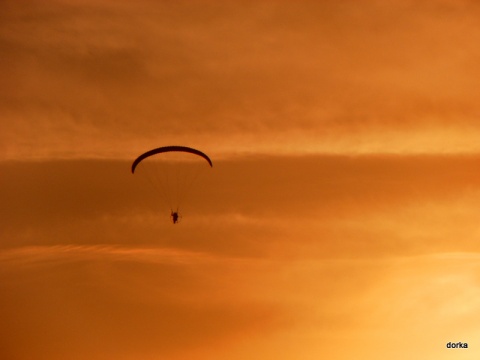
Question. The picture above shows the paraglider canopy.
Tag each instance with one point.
(168, 149)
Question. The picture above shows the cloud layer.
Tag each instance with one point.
(340, 219)
(99, 79)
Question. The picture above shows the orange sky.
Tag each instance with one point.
(340, 219)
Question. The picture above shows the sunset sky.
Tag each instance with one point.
(341, 218)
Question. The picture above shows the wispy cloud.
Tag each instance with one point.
(126, 301)
(104, 80)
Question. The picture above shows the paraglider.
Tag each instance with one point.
(174, 215)
(172, 170)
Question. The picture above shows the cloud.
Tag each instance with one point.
(300, 252)
(320, 206)
(305, 241)
(129, 302)
(95, 79)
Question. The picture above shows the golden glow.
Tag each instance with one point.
(340, 218)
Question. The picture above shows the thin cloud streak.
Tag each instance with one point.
(61, 253)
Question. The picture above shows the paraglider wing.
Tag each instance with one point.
(167, 149)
